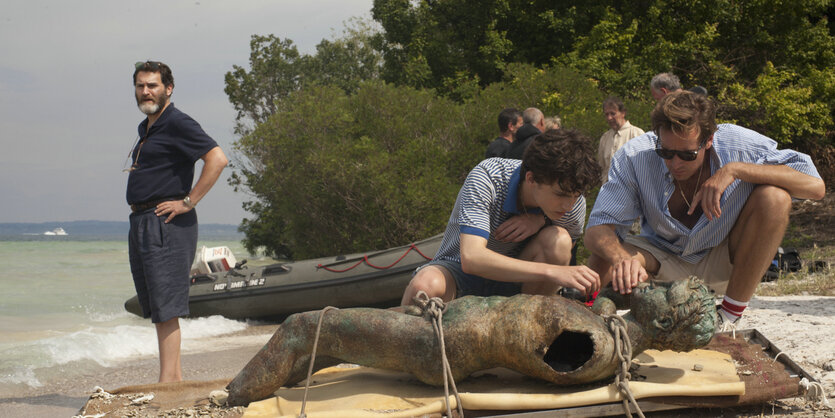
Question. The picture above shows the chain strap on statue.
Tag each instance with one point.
(435, 307)
(313, 358)
(623, 348)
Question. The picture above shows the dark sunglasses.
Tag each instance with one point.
(148, 65)
(668, 154)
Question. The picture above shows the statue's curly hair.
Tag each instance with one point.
(693, 316)
(564, 156)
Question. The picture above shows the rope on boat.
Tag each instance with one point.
(365, 260)
(623, 348)
(313, 357)
(435, 307)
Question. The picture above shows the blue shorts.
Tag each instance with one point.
(161, 255)
(471, 285)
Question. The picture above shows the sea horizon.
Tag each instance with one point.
(93, 230)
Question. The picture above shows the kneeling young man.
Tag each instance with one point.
(514, 224)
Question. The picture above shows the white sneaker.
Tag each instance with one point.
(724, 325)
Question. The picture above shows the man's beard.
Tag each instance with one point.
(151, 108)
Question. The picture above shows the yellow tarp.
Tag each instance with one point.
(367, 392)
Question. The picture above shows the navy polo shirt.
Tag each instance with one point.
(165, 166)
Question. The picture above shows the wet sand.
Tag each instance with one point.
(64, 397)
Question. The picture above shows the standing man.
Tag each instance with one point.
(620, 131)
(163, 222)
(534, 124)
(715, 201)
(663, 84)
(558, 167)
(510, 120)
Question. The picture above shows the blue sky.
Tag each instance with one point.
(67, 113)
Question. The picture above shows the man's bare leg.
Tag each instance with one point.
(551, 245)
(435, 280)
(168, 337)
(754, 239)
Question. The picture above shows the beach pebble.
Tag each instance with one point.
(218, 397)
(98, 392)
(698, 367)
(142, 399)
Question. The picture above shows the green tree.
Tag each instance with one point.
(275, 72)
(277, 69)
(345, 61)
(339, 172)
(348, 172)
(724, 45)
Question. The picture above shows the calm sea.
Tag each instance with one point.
(62, 304)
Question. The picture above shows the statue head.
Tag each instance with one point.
(679, 316)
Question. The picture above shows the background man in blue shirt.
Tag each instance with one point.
(163, 222)
(715, 203)
(497, 241)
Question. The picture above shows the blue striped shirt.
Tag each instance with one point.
(489, 197)
(640, 185)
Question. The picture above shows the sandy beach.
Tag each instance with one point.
(801, 326)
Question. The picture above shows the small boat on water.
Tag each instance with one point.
(222, 286)
(56, 231)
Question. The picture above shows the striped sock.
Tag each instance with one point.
(732, 309)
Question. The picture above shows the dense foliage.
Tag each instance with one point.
(337, 172)
(364, 143)
(769, 62)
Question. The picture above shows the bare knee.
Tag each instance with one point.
(431, 280)
(551, 245)
(601, 267)
(771, 201)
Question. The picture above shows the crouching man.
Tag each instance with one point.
(714, 200)
(514, 223)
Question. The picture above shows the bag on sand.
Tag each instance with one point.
(786, 260)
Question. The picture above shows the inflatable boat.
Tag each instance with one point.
(376, 279)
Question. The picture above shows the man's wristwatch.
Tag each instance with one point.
(187, 202)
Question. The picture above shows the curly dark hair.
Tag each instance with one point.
(164, 71)
(681, 111)
(564, 156)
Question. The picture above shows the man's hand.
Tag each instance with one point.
(172, 207)
(710, 193)
(519, 227)
(626, 274)
(581, 278)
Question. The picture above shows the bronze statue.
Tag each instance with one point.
(550, 338)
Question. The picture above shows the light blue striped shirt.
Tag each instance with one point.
(640, 185)
(489, 197)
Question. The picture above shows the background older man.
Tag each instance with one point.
(620, 131)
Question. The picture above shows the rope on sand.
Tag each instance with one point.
(812, 391)
(623, 348)
(817, 396)
(435, 308)
(313, 358)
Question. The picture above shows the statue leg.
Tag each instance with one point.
(370, 337)
(283, 360)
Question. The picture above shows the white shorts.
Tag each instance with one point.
(714, 269)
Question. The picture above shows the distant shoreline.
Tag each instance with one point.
(116, 229)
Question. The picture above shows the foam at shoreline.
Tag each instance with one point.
(31, 362)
